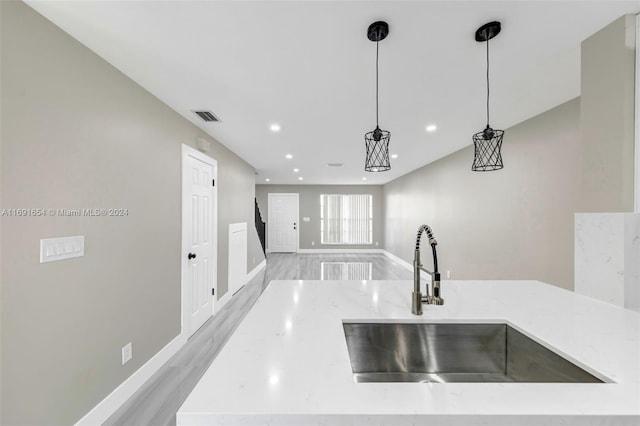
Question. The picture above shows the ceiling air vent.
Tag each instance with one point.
(207, 116)
(335, 164)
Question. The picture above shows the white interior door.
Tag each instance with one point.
(283, 223)
(237, 256)
(198, 238)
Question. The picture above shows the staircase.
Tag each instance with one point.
(260, 228)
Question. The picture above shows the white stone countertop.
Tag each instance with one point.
(287, 363)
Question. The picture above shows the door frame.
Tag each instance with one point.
(188, 151)
(269, 227)
(637, 113)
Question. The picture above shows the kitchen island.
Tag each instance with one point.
(288, 363)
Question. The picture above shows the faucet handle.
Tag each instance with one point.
(434, 300)
(435, 297)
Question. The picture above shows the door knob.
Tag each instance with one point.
(192, 256)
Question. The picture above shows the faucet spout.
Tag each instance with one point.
(416, 297)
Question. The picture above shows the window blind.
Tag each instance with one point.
(346, 219)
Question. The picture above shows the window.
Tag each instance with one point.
(346, 219)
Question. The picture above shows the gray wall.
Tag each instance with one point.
(309, 200)
(516, 223)
(236, 203)
(608, 118)
(77, 133)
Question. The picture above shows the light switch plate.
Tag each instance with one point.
(127, 353)
(52, 249)
(305, 219)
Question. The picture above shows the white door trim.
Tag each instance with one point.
(186, 152)
(269, 227)
(637, 114)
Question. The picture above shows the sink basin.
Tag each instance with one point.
(454, 352)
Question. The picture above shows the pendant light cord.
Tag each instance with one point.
(377, 44)
(487, 81)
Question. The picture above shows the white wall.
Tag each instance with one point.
(309, 196)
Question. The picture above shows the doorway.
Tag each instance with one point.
(283, 223)
(199, 238)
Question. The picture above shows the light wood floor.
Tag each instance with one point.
(157, 402)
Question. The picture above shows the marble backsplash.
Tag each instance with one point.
(607, 257)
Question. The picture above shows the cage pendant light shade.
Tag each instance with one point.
(487, 144)
(377, 140)
(487, 156)
(377, 144)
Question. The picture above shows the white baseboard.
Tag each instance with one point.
(251, 275)
(354, 251)
(222, 301)
(408, 266)
(399, 261)
(228, 295)
(101, 412)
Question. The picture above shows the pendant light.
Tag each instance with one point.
(377, 141)
(487, 143)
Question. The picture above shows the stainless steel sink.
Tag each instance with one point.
(454, 352)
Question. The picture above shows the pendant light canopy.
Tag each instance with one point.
(487, 143)
(377, 141)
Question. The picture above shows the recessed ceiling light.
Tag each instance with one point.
(394, 155)
(296, 170)
(431, 128)
(275, 127)
(267, 180)
(289, 156)
(300, 178)
(364, 178)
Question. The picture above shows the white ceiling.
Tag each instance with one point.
(309, 66)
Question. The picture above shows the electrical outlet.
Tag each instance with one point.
(313, 243)
(127, 353)
(448, 273)
(376, 244)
